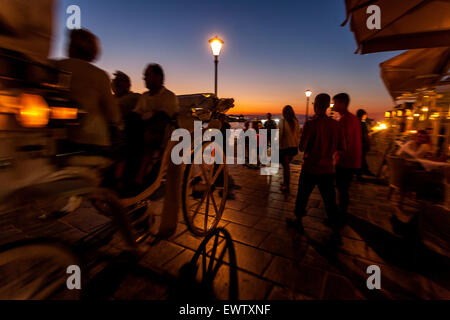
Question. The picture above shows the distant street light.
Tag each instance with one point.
(308, 94)
(216, 47)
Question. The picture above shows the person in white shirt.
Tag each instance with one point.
(90, 88)
(158, 98)
(155, 107)
(417, 148)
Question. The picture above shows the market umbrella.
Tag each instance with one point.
(416, 69)
(405, 24)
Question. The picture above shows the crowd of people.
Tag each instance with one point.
(124, 114)
(333, 154)
(334, 151)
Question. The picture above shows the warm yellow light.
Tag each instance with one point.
(410, 118)
(413, 131)
(34, 111)
(216, 45)
(380, 126)
(308, 93)
(408, 112)
(416, 115)
(394, 113)
(399, 113)
(387, 114)
(60, 113)
(425, 109)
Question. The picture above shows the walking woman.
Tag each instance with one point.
(289, 141)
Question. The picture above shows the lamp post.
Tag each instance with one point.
(307, 94)
(216, 47)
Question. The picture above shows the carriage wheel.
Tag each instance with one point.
(205, 190)
(212, 266)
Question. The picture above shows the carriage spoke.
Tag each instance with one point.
(198, 207)
(206, 211)
(213, 200)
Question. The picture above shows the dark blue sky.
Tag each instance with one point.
(273, 50)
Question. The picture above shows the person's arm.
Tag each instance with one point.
(342, 142)
(298, 133)
(304, 138)
(108, 104)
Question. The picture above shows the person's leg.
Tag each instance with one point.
(344, 177)
(286, 173)
(287, 179)
(328, 192)
(306, 185)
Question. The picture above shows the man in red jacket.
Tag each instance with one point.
(349, 160)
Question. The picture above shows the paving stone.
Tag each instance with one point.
(240, 217)
(173, 266)
(236, 204)
(251, 259)
(281, 293)
(160, 254)
(296, 276)
(246, 235)
(340, 288)
(288, 246)
(272, 225)
(249, 286)
(85, 219)
(188, 240)
(318, 213)
(141, 288)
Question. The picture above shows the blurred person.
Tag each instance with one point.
(289, 142)
(348, 160)
(157, 108)
(127, 99)
(417, 148)
(246, 125)
(158, 97)
(365, 139)
(269, 125)
(321, 139)
(254, 125)
(244, 129)
(90, 87)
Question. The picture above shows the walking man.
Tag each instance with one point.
(320, 140)
(348, 160)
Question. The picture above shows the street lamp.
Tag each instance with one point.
(216, 46)
(308, 94)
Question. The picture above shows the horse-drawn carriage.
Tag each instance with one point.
(38, 181)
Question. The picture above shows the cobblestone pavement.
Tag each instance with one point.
(273, 261)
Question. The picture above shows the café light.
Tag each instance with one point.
(33, 111)
(60, 113)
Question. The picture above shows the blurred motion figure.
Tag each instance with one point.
(91, 88)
